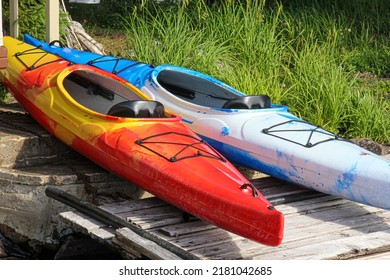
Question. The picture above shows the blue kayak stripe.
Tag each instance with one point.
(244, 158)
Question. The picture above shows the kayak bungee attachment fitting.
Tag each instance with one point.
(254, 190)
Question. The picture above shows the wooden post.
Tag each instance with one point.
(3, 50)
(1, 23)
(52, 20)
(14, 18)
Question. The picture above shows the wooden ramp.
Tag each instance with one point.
(317, 226)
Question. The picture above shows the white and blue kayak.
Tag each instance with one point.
(251, 131)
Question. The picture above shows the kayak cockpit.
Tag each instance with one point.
(109, 97)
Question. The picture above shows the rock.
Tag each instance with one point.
(387, 157)
(79, 246)
(9, 249)
(3, 253)
(372, 146)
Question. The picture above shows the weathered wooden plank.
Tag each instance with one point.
(106, 233)
(83, 222)
(329, 208)
(377, 256)
(151, 213)
(185, 228)
(154, 217)
(252, 250)
(202, 239)
(127, 248)
(279, 192)
(220, 250)
(338, 249)
(144, 246)
(272, 185)
(152, 224)
(305, 206)
(332, 226)
(345, 212)
(88, 225)
(133, 205)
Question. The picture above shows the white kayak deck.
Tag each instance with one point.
(317, 226)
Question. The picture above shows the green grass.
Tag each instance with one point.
(305, 55)
(4, 94)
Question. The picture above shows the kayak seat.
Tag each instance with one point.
(138, 109)
(249, 102)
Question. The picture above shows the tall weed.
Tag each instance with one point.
(368, 118)
(166, 37)
(319, 88)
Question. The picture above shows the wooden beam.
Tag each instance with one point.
(3, 50)
(52, 20)
(139, 246)
(1, 23)
(14, 18)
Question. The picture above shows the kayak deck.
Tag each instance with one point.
(317, 226)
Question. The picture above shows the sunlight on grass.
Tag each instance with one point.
(300, 57)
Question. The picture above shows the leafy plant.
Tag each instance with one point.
(31, 18)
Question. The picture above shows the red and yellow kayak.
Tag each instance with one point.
(115, 125)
